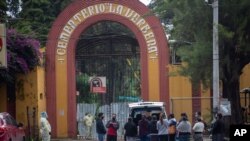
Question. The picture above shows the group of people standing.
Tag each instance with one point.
(160, 128)
(150, 128)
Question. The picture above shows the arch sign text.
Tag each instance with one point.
(104, 8)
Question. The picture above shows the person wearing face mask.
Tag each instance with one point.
(113, 126)
(100, 129)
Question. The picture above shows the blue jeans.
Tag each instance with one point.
(101, 137)
(185, 137)
(144, 138)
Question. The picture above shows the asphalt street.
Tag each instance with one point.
(206, 138)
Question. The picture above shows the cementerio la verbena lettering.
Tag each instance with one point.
(103, 8)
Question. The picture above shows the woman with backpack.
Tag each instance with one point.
(171, 127)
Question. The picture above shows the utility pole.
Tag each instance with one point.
(216, 91)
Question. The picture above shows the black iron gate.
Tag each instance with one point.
(107, 49)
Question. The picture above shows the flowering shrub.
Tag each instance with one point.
(22, 55)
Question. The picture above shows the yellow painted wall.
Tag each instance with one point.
(206, 102)
(30, 93)
(180, 91)
(245, 83)
(245, 77)
(41, 86)
(26, 86)
(181, 96)
(41, 90)
(3, 98)
(153, 77)
(61, 101)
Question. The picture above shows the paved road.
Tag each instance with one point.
(206, 138)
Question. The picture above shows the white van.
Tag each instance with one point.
(137, 109)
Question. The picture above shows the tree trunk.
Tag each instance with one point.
(231, 92)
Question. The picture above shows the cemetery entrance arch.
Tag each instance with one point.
(60, 55)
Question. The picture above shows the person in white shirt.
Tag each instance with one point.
(198, 129)
(184, 128)
(162, 127)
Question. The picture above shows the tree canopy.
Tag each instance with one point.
(35, 17)
(28, 23)
(193, 22)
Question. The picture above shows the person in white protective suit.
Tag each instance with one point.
(45, 128)
(88, 122)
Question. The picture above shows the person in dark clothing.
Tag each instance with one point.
(130, 130)
(143, 128)
(218, 128)
(153, 129)
(162, 126)
(112, 126)
(100, 129)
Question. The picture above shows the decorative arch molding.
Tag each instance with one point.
(60, 55)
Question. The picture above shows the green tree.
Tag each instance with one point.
(10, 6)
(234, 49)
(36, 16)
(83, 87)
(192, 20)
(3, 9)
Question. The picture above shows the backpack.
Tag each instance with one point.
(172, 129)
